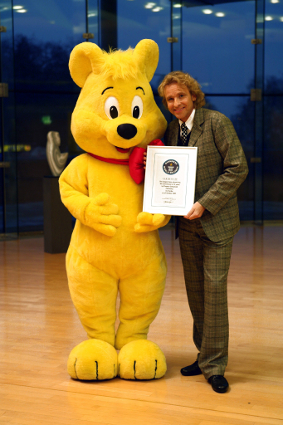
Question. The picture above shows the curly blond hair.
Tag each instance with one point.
(183, 79)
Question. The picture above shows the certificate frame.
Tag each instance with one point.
(170, 176)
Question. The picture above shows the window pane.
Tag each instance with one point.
(273, 158)
(43, 113)
(92, 19)
(217, 48)
(141, 20)
(273, 113)
(45, 33)
(60, 21)
(240, 110)
(8, 155)
(273, 63)
(8, 179)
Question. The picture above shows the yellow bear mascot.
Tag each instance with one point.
(115, 247)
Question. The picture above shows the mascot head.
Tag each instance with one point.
(116, 110)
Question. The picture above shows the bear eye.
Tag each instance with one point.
(137, 107)
(111, 107)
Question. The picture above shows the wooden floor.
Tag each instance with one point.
(39, 327)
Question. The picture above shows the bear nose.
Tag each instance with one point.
(127, 131)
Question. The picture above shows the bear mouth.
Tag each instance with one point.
(122, 150)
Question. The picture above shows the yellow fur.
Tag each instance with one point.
(114, 246)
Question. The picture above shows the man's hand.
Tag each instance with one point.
(196, 211)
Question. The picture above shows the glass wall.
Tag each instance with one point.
(140, 20)
(218, 52)
(273, 113)
(44, 35)
(216, 43)
(8, 153)
(217, 48)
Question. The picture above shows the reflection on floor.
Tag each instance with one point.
(39, 326)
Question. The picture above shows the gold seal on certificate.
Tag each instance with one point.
(169, 186)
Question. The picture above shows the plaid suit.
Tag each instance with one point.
(206, 243)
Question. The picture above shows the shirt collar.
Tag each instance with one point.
(190, 121)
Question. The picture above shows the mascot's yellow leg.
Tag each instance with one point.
(140, 299)
(94, 295)
(141, 359)
(93, 360)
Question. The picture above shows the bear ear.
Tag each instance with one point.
(85, 58)
(147, 54)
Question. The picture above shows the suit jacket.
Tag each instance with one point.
(221, 168)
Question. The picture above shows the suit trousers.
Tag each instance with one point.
(206, 265)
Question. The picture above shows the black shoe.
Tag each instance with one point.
(218, 383)
(191, 370)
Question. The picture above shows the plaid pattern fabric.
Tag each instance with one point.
(206, 243)
(206, 266)
(221, 169)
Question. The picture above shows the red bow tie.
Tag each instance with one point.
(135, 161)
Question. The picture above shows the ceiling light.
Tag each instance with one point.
(177, 5)
(207, 11)
(21, 11)
(18, 7)
(268, 18)
(274, 1)
(220, 14)
(281, 18)
(149, 5)
(157, 9)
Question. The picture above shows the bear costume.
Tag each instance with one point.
(115, 247)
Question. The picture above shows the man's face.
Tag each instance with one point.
(179, 100)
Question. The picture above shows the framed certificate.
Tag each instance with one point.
(169, 186)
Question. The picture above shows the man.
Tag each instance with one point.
(206, 232)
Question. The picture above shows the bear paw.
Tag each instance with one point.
(141, 360)
(93, 360)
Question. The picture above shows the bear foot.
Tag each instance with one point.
(141, 360)
(93, 360)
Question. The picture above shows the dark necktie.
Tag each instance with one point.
(184, 133)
